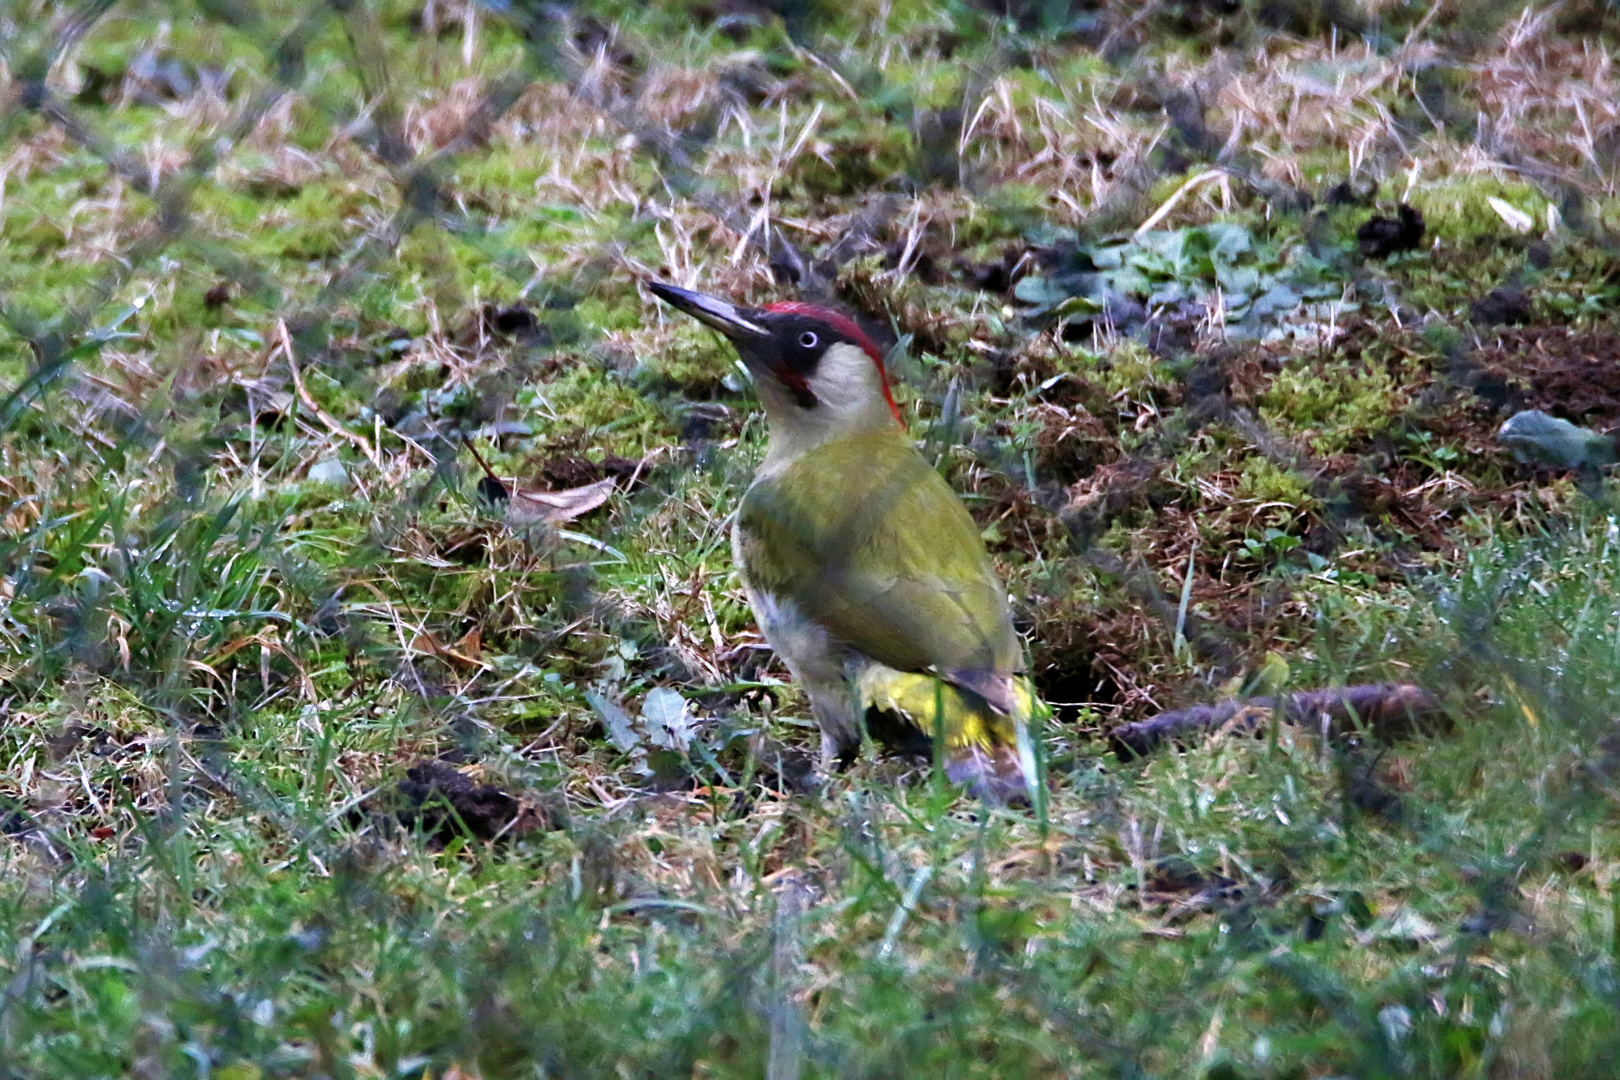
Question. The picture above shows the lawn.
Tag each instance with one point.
(380, 698)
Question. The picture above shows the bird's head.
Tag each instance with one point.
(818, 375)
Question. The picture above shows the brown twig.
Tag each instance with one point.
(1386, 709)
(482, 464)
(331, 423)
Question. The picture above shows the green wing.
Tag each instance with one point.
(873, 545)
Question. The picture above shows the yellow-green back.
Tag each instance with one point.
(872, 544)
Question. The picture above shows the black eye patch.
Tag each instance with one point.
(794, 350)
(801, 342)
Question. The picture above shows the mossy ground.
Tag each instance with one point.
(268, 271)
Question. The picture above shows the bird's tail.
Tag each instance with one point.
(990, 751)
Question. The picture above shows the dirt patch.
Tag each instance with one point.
(1082, 667)
(576, 470)
(1572, 374)
(1070, 444)
(518, 322)
(1174, 879)
(465, 544)
(780, 767)
(569, 460)
(1403, 502)
(445, 802)
(14, 818)
(1380, 237)
(1502, 307)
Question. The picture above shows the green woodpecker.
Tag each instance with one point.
(863, 568)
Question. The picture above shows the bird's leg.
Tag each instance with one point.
(836, 710)
(820, 668)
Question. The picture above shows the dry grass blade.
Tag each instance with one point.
(284, 346)
(533, 506)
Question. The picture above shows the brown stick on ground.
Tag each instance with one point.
(1386, 709)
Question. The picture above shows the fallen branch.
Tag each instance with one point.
(1385, 709)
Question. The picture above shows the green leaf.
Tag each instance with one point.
(1171, 292)
(1229, 241)
(1276, 299)
(1108, 258)
(1078, 306)
(1040, 292)
(1237, 279)
(1534, 436)
(1167, 245)
(615, 721)
(1132, 282)
(664, 717)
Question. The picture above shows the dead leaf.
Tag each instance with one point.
(464, 653)
(555, 507)
(1511, 215)
(471, 646)
(427, 644)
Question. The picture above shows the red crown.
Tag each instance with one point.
(847, 327)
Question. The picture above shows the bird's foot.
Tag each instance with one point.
(989, 773)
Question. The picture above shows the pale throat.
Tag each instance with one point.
(849, 400)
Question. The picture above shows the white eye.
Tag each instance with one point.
(808, 339)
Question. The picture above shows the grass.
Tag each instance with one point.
(266, 272)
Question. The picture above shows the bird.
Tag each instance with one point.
(864, 570)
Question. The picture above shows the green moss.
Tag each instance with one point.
(606, 410)
(1457, 209)
(1263, 481)
(318, 223)
(1004, 212)
(848, 155)
(694, 361)
(1128, 367)
(1334, 407)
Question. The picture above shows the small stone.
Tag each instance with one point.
(1535, 437)
(329, 470)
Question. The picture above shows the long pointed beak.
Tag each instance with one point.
(711, 311)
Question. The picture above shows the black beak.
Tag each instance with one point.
(725, 317)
